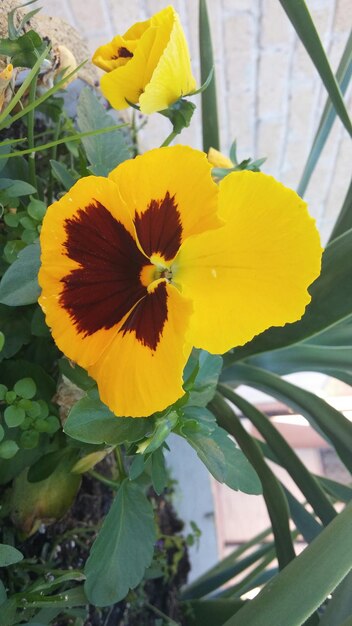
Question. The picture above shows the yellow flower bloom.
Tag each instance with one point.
(218, 159)
(139, 267)
(149, 65)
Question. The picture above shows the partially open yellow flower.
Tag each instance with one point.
(218, 159)
(139, 267)
(149, 65)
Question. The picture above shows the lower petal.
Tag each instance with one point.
(141, 371)
(255, 271)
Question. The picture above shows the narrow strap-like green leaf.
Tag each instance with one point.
(344, 220)
(303, 24)
(288, 458)
(319, 413)
(304, 521)
(199, 587)
(305, 358)
(343, 76)
(293, 595)
(210, 126)
(272, 491)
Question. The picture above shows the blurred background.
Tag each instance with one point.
(270, 99)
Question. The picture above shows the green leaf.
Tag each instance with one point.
(304, 521)
(2, 340)
(326, 309)
(19, 285)
(163, 427)
(304, 26)
(305, 582)
(106, 151)
(158, 471)
(8, 449)
(210, 126)
(319, 413)
(305, 357)
(211, 612)
(224, 460)
(272, 491)
(62, 174)
(14, 416)
(76, 374)
(180, 114)
(344, 220)
(9, 555)
(343, 76)
(304, 480)
(26, 388)
(123, 549)
(36, 209)
(24, 50)
(201, 375)
(16, 188)
(339, 608)
(91, 421)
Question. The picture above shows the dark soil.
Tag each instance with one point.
(66, 544)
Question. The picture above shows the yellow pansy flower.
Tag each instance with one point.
(139, 267)
(149, 65)
(218, 159)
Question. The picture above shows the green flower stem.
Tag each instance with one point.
(169, 621)
(121, 472)
(169, 139)
(113, 484)
(53, 157)
(30, 125)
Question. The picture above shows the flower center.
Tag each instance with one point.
(153, 272)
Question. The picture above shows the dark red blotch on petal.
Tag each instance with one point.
(159, 228)
(106, 286)
(148, 317)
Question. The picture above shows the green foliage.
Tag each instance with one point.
(210, 127)
(19, 285)
(119, 559)
(104, 152)
(9, 555)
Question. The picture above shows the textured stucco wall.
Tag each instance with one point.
(270, 97)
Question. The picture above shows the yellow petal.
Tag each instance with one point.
(141, 371)
(172, 77)
(254, 272)
(57, 265)
(217, 159)
(179, 177)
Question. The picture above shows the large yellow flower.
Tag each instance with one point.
(149, 65)
(139, 267)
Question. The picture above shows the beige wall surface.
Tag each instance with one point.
(270, 97)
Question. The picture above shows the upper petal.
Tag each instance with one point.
(255, 271)
(141, 371)
(172, 77)
(91, 267)
(170, 195)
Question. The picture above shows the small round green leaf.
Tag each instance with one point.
(25, 388)
(2, 433)
(9, 555)
(53, 424)
(3, 392)
(36, 209)
(8, 449)
(14, 416)
(29, 439)
(10, 397)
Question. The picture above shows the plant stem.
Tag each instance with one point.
(169, 139)
(106, 481)
(157, 611)
(53, 157)
(120, 464)
(30, 125)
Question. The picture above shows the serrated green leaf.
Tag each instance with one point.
(123, 549)
(9, 555)
(91, 421)
(19, 285)
(106, 151)
(201, 375)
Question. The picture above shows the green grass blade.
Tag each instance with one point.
(344, 220)
(68, 138)
(294, 594)
(33, 105)
(199, 587)
(339, 607)
(210, 127)
(304, 521)
(21, 90)
(305, 358)
(343, 76)
(272, 491)
(323, 417)
(303, 24)
(286, 455)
